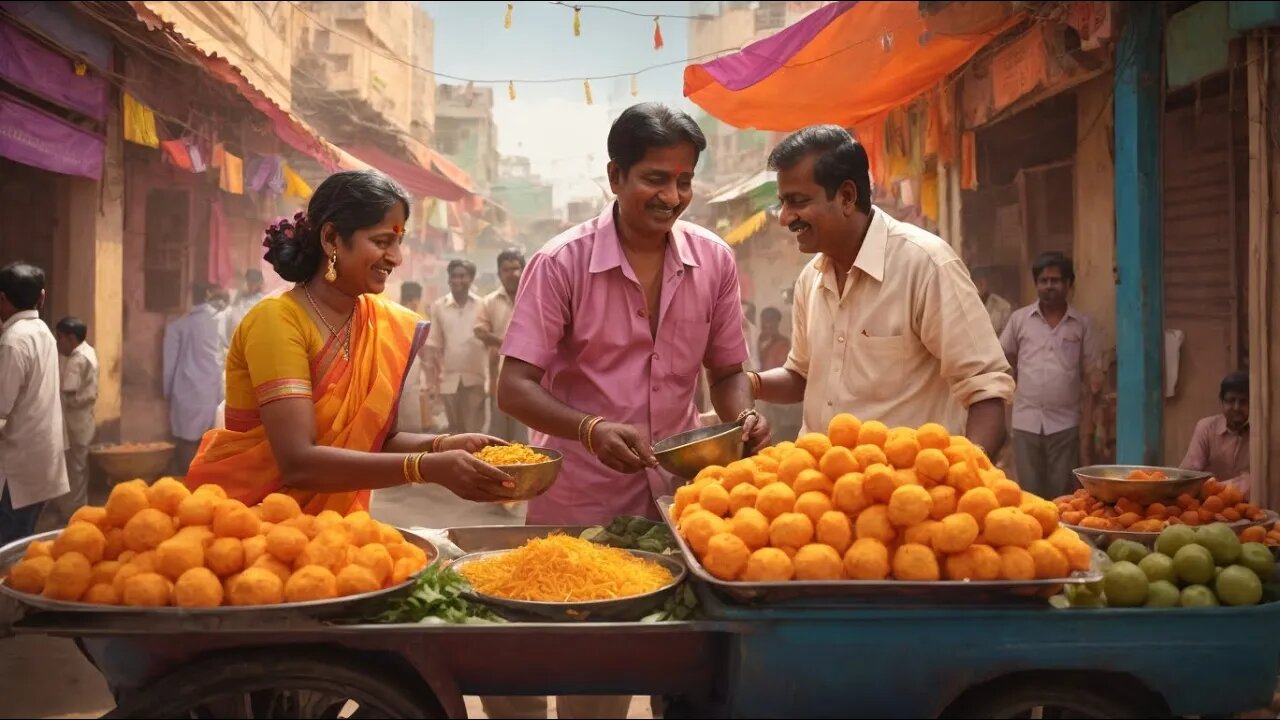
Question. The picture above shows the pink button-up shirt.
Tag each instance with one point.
(1052, 363)
(580, 316)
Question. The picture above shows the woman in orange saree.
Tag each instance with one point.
(314, 376)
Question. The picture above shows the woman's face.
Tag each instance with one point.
(365, 263)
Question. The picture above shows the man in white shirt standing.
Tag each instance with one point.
(458, 359)
(33, 467)
(491, 328)
(193, 375)
(251, 295)
(79, 395)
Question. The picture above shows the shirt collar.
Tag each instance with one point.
(1071, 312)
(606, 251)
(451, 301)
(1224, 429)
(871, 256)
(20, 315)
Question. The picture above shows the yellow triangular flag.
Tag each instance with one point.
(577, 21)
(586, 86)
(506, 23)
(635, 86)
(511, 89)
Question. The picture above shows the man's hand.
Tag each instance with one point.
(622, 448)
(755, 433)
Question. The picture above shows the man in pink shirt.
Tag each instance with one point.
(1056, 358)
(1220, 444)
(615, 319)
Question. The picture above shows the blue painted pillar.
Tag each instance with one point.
(1140, 293)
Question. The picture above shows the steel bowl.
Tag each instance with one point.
(531, 479)
(686, 454)
(1109, 483)
(627, 609)
(120, 463)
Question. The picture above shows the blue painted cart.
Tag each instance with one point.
(766, 661)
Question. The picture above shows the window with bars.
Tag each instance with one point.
(165, 260)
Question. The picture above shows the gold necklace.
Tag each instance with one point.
(346, 337)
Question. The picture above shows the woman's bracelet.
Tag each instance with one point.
(754, 378)
(412, 471)
(435, 444)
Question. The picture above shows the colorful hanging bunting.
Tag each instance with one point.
(657, 34)
(506, 22)
(586, 86)
(635, 86)
(577, 21)
(294, 185)
(511, 90)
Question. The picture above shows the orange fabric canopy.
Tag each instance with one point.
(843, 64)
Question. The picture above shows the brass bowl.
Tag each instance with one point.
(686, 454)
(1109, 483)
(121, 463)
(532, 479)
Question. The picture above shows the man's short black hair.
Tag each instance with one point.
(22, 283)
(467, 265)
(840, 159)
(74, 327)
(509, 255)
(1054, 259)
(410, 290)
(770, 312)
(649, 125)
(1234, 382)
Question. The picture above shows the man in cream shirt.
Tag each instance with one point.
(886, 324)
(33, 467)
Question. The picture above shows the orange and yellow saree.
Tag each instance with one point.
(276, 353)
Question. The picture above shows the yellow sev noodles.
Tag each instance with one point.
(560, 568)
(514, 454)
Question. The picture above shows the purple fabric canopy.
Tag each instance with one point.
(33, 137)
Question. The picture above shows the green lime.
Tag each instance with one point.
(1126, 551)
(1238, 585)
(1198, 596)
(1221, 540)
(1194, 564)
(1158, 566)
(1173, 538)
(1258, 558)
(1125, 585)
(1089, 595)
(1163, 594)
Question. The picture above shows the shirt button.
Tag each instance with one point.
(840, 339)
(656, 356)
(655, 388)
(640, 313)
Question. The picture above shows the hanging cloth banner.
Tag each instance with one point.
(34, 67)
(36, 138)
(232, 178)
(294, 185)
(139, 123)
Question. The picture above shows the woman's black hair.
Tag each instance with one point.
(349, 200)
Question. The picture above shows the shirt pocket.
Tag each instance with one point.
(875, 365)
(688, 346)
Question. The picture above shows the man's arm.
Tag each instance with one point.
(730, 388)
(1009, 344)
(13, 372)
(1197, 456)
(484, 327)
(955, 327)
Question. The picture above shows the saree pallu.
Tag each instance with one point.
(355, 408)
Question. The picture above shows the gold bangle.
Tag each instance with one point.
(414, 466)
(590, 429)
(754, 378)
(581, 424)
(435, 443)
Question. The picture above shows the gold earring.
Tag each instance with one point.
(332, 273)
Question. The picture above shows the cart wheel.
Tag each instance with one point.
(283, 685)
(1048, 699)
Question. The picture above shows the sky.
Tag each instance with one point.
(550, 123)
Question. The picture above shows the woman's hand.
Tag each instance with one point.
(470, 442)
(465, 475)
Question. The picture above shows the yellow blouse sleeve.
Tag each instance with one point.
(274, 338)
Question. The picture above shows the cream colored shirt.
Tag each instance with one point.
(909, 342)
(80, 394)
(494, 317)
(33, 467)
(461, 357)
